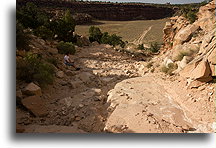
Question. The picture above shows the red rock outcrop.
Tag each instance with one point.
(199, 37)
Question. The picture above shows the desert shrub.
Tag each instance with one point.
(22, 38)
(44, 32)
(191, 16)
(31, 16)
(64, 27)
(181, 54)
(141, 47)
(33, 68)
(169, 69)
(53, 61)
(66, 47)
(95, 34)
(189, 11)
(116, 40)
(154, 47)
(105, 39)
(35, 18)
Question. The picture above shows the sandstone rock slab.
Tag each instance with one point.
(32, 89)
(141, 105)
(35, 105)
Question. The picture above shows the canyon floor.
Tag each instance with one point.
(129, 30)
(114, 92)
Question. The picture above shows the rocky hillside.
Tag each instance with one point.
(115, 92)
(192, 46)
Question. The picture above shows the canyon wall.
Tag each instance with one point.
(108, 11)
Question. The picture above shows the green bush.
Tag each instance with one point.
(64, 27)
(140, 47)
(44, 32)
(22, 38)
(155, 47)
(181, 54)
(35, 18)
(169, 70)
(31, 16)
(32, 68)
(191, 16)
(116, 40)
(66, 47)
(95, 34)
(105, 39)
(53, 61)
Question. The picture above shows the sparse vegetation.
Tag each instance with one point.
(53, 61)
(169, 69)
(129, 30)
(30, 16)
(66, 47)
(33, 68)
(183, 53)
(155, 47)
(44, 32)
(22, 38)
(65, 27)
(140, 47)
(189, 11)
(95, 34)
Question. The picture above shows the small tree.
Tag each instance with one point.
(154, 47)
(22, 38)
(44, 32)
(30, 16)
(140, 47)
(65, 27)
(33, 68)
(66, 47)
(105, 39)
(95, 34)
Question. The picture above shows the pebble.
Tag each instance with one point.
(211, 93)
(78, 118)
(81, 105)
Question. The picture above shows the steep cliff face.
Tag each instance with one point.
(184, 39)
(109, 11)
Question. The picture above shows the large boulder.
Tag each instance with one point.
(199, 70)
(35, 105)
(85, 77)
(185, 34)
(32, 89)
